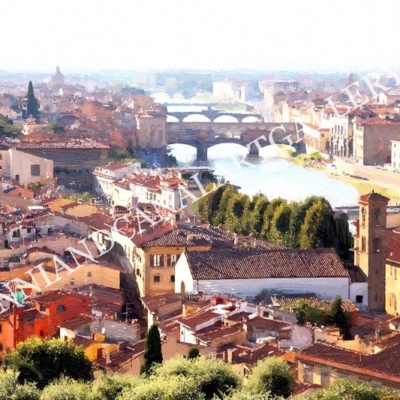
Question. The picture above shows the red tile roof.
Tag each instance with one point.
(230, 264)
(374, 197)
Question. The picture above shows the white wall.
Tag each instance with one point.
(359, 289)
(183, 274)
(327, 288)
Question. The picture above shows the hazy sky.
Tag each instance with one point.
(199, 34)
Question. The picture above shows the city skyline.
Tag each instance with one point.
(200, 35)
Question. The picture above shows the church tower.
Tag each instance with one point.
(370, 252)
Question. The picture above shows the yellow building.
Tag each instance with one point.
(156, 259)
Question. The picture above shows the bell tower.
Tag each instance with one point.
(370, 252)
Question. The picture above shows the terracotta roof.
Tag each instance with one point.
(53, 296)
(374, 196)
(31, 315)
(384, 364)
(230, 264)
(119, 358)
(197, 318)
(76, 323)
(214, 236)
(376, 121)
(216, 331)
(335, 354)
(268, 324)
(154, 303)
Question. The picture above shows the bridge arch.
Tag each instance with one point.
(171, 118)
(196, 117)
(225, 118)
(250, 119)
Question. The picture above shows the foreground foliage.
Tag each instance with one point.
(42, 361)
(343, 389)
(182, 378)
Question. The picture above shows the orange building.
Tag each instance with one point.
(42, 320)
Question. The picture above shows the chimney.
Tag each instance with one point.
(229, 355)
(122, 345)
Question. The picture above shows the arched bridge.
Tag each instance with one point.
(212, 115)
(203, 135)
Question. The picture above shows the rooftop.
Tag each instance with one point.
(230, 264)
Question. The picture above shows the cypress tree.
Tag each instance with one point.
(32, 106)
(152, 352)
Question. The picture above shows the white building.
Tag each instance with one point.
(24, 167)
(245, 274)
(106, 176)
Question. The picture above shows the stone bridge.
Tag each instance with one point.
(203, 135)
(212, 115)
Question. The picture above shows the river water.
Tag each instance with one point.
(269, 174)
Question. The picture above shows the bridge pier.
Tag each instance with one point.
(254, 151)
(202, 152)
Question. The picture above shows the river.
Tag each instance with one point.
(270, 174)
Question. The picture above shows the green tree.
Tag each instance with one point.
(237, 205)
(268, 217)
(343, 389)
(152, 352)
(299, 211)
(305, 312)
(221, 214)
(11, 389)
(109, 388)
(344, 239)
(32, 105)
(40, 362)
(193, 353)
(159, 388)
(66, 389)
(319, 228)
(340, 318)
(259, 204)
(272, 376)
(212, 377)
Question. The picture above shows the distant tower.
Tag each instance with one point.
(370, 253)
(57, 80)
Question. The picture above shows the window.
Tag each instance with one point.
(42, 308)
(266, 314)
(377, 215)
(156, 260)
(359, 299)
(363, 244)
(173, 278)
(61, 308)
(1, 328)
(89, 274)
(35, 170)
(157, 279)
(1, 346)
(41, 334)
(137, 271)
(377, 245)
(171, 259)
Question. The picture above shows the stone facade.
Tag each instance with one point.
(151, 128)
(372, 141)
